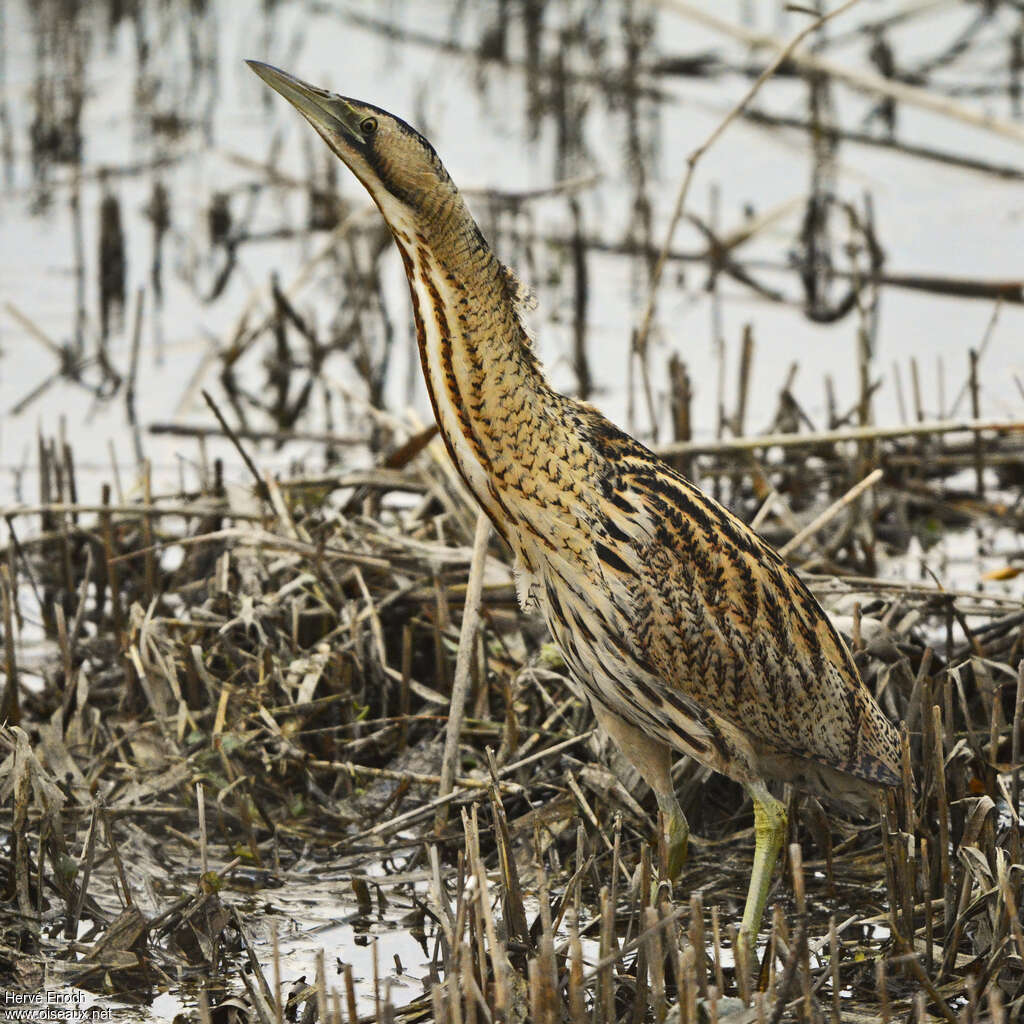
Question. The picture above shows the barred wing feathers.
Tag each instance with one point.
(716, 615)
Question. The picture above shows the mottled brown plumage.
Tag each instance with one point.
(683, 628)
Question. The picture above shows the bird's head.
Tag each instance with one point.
(398, 167)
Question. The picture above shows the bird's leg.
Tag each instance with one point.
(653, 760)
(677, 833)
(769, 834)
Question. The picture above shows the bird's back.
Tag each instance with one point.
(680, 619)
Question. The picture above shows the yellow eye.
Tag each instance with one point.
(368, 125)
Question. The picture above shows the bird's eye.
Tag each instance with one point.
(368, 125)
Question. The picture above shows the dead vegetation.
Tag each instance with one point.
(223, 698)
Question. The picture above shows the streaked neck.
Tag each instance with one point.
(480, 373)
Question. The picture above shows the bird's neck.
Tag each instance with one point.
(485, 385)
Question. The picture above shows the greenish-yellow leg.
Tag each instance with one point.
(769, 835)
(653, 759)
(677, 834)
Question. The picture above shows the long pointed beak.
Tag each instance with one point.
(324, 110)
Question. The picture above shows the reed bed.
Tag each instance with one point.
(213, 693)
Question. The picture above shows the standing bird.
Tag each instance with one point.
(685, 630)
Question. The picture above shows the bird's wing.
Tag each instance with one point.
(718, 615)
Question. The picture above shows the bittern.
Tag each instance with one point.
(684, 629)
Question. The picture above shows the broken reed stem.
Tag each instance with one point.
(204, 1008)
(716, 945)
(201, 808)
(321, 988)
(85, 871)
(665, 923)
(814, 62)
(910, 958)
(463, 663)
(979, 448)
(275, 950)
(261, 486)
(113, 577)
(743, 385)
(10, 703)
(833, 955)
(1010, 907)
(640, 342)
(943, 813)
(350, 997)
(926, 899)
(118, 863)
(986, 338)
(789, 971)
(826, 437)
(801, 949)
(1015, 741)
(149, 563)
(133, 370)
(375, 951)
(697, 942)
(202, 431)
(418, 778)
(831, 512)
(499, 956)
(882, 989)
(200, 508)
(396, 824)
